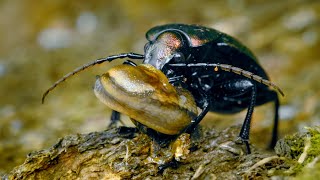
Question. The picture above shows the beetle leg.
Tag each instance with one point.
(178, 81)
(128, 62)
(174, 164)
(276, 122)
(274, 97)
(175, 79)
(205, 109)
(115, 117)
(245, 129)
(160, 139)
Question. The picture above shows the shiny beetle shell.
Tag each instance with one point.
(145, 95)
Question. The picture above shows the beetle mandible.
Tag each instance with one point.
(221, 73)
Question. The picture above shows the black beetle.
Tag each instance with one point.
(222, 74)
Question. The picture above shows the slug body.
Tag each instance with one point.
(145, 95)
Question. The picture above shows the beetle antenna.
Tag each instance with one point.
(236, 70)
(88, 65)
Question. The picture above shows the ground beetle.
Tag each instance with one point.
(222, 74)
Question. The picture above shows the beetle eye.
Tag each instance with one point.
(178, 57)
(146, 46)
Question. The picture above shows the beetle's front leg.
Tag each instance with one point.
(204, 103)
(205, 109)
(114, 119)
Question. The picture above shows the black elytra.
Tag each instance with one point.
(221, 73)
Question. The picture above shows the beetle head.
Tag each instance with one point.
(168, 47)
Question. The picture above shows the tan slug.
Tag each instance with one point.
(144, 94)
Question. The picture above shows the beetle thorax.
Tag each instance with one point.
(160, 51)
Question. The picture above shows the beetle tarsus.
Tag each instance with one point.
(173, 163)
(241, 141)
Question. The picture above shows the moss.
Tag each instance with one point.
(311, 167)
(299, 150)
(310, 173)
(314, 150)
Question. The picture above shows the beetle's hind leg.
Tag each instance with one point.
(271, 96)
(245, 129)
(276, 122)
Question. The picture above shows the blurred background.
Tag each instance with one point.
(41, 41)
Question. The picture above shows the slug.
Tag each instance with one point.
(145, 95)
